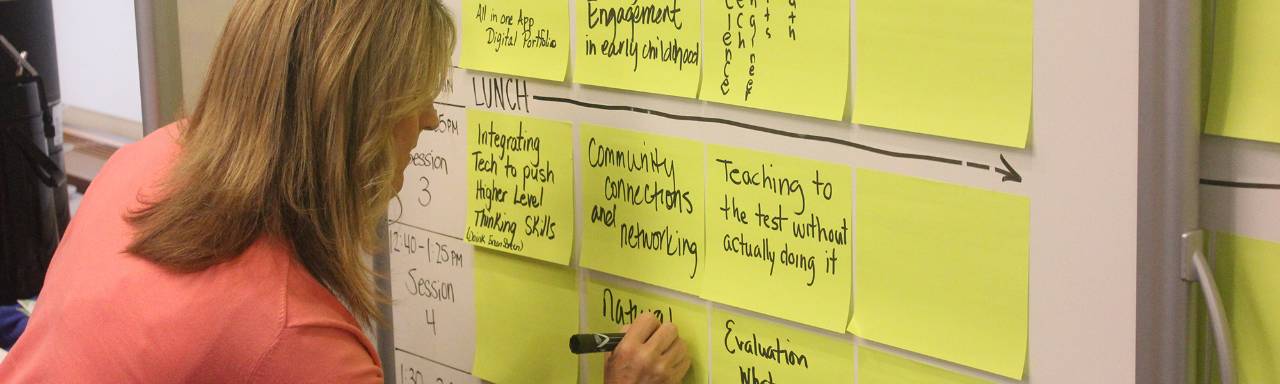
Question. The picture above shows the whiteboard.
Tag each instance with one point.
(1080, 172)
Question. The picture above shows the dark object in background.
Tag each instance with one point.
(33, 192)
(13, 322)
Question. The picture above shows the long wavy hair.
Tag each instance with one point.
(292, 137)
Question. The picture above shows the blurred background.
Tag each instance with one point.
(79, 79)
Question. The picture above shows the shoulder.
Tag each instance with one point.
(152, 324)
(155, 152)
(132, 171)
(308, 303)
(319, 340)
(316, 354)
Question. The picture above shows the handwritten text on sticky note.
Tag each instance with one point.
(780, 231)
(750, 350)
(522, 38)
(785, 56)
(520, 185)
(643, 198)
(610, 306)
(644, 45)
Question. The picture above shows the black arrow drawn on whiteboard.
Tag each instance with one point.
(1007, 173)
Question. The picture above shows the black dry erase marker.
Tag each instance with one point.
(594, 342)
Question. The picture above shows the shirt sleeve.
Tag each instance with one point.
(314, 354)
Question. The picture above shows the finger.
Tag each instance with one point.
(639, 331)
(663, 338)
(674, 357)
(679, 350)
(680, 371)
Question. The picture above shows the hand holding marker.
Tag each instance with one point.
(647, 352)
(594, 342)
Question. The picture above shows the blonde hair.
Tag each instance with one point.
(292, 137)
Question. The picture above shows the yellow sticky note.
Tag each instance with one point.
(516, 37)
(520, 185)
(785, 56)
(643, 45)
(751, 350)
(1245, 79)
(609, 307)
(952, 68)
(877, 367)
(642, 202)
(525, 312)
(779, 230)
(942, 271)
(1248, 273)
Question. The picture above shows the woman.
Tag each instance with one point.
(228, 248)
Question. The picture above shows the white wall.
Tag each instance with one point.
(200, 25)
(98, 57)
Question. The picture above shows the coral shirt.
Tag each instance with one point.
(106, 316)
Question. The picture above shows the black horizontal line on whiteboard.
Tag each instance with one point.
(397, 222)
(405, 351)
(451, 105)
(753, 127)
(1238, 184)
(1007, 173)
(978, 166)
